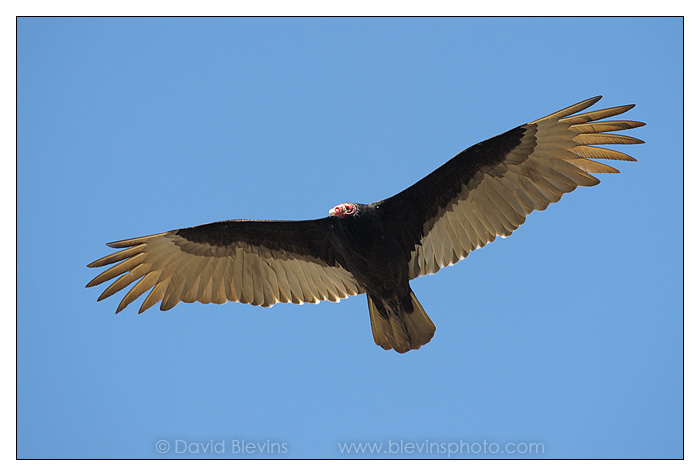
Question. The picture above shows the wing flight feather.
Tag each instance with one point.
(490, 188)
(256, 262)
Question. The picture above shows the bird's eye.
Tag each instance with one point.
(347, 209)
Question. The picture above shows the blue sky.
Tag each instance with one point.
(566, 335)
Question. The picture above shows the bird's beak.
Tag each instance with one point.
(333, 212)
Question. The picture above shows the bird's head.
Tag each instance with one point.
(343, 210)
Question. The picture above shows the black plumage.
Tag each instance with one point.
(485, 191)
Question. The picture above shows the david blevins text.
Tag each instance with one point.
(223, 446)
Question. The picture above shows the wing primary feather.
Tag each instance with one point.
(170, 266)
(604, 126)
(135, 241)
(579, 106)
(586, 151)
(175, 288)
(600, 138)
(595, 115)
(146, 283)
(125, 280)
(592, 167)
(118, 256)
(117, 269)
(154, 296)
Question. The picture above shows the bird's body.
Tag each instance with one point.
(485, 191)
(373, 254)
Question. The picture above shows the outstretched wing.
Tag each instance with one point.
(255, 262)
(488, 189)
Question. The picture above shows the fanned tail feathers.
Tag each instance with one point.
(405, 326)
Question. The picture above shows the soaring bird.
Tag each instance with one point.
(483, 192)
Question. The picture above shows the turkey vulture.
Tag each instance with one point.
(485, 191)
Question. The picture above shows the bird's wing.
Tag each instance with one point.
(488, 189)
(255, 262)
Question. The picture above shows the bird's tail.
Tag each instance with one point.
(400, 324)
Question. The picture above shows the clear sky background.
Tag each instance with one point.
(567, 334)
